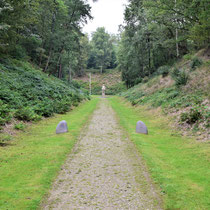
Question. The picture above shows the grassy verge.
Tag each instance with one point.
(30, 164)
(179, 165)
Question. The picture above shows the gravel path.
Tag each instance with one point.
(104, 171)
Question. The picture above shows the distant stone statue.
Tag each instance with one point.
(141, 128)
(62, 127)
(103, 90)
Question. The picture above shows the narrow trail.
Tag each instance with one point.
(104, 172)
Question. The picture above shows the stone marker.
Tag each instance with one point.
(141, 128)
(62, 127)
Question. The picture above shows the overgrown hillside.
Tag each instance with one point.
(182, 91)
(111, 78)
(27, 94)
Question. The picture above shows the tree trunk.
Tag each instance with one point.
(48, 60)
(69, 76)
(177, 44)
(51, 43)
(60, 71)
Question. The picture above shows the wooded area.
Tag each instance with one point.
(158, 33)
(45, 32)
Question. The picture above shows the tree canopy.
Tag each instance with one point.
(102, 50)
(47, 32)
(158, 32)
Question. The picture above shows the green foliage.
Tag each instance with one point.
(191, 117)
(19, 126)
(46, 32)
(157, 33)
(25, 114)
(102, 53)
(28, 94)
(116, 89)
(5, 113)
(175, 73)
(181, 77)
(187, 57)
(196, 62)
(163, 70)
(195, 114)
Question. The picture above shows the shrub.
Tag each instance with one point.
(145, 79)
(26, 114)
(163, 70)
(196, 62)
(134, 102)
(182, 79)
(180, 76)
(19, 126)
(172, 94)
(61, 107)
(116, 89)
(192, 116)
(187, 57)
(138, 80)
(175, 73)
(5, 113)
(75, 103)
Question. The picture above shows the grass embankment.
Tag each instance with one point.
(32, 160)
(28, 94)
(180, 166)
(182, 91)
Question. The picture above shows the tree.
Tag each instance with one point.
(46, 32)
(158, 32)
(101, 49)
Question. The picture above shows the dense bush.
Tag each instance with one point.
(163, 70)
(116, 89)
(195, 114)
(26, 114)
(5, 113)
(180, 77)
(196, 62)
(19, 126)
(28, 94)
(191, 117)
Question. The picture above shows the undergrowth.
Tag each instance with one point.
(190, 105)
(111, 78)
(28, 94)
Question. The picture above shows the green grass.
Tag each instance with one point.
(33, 159)
(179, 165)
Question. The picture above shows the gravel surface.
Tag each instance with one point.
(104, 172)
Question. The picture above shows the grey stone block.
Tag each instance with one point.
(62, 127)
(141, 128)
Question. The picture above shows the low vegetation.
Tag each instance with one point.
(178, 165)
(32, 160)
(27, 94)
(111, 78)
(180, 90)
